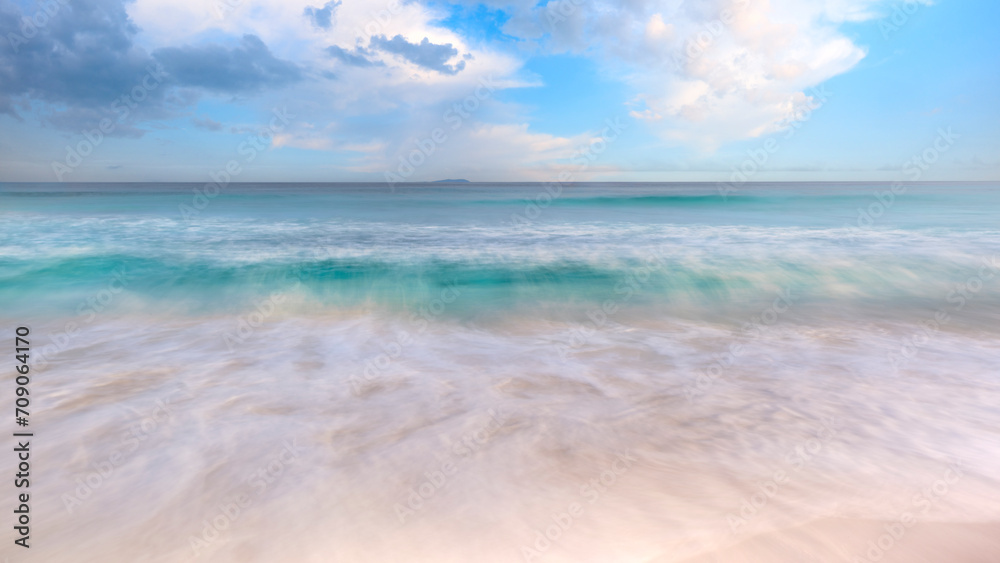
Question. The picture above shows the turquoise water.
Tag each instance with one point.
(510, 247)
(710, 338)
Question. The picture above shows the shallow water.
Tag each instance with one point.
(639, 372)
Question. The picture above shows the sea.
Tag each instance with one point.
(503, 372)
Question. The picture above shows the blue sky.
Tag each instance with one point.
(667, 90)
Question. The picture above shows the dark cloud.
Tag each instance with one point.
(83, 55)
(248, 67)
(77, 65)
(425, 54)
(206, 123)
(357, 57)
(322, 17)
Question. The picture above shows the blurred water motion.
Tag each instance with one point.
(630, 374)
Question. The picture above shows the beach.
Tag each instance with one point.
(509, 372)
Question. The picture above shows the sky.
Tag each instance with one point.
(503, 90)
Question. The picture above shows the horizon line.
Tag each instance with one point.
(508, 182)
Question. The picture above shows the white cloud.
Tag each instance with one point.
(339, 96)
(703, 74)
(710, 72)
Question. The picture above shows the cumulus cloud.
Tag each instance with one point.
(83, 56)
(698, 73)
(424, 54)
(344, 70)
(710, 72)
(247, 67)
(85, 65)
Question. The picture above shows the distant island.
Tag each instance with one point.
(458, 181)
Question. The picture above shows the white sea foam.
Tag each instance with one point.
(374, 415)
